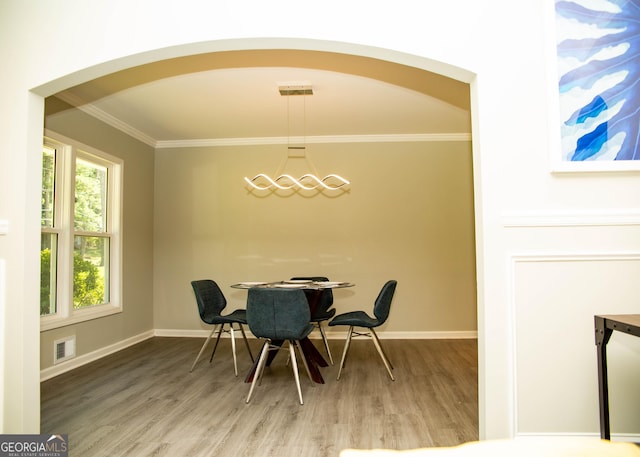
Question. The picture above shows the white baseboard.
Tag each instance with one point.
(454, 335)
(81, 360)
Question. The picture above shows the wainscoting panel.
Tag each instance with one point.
(554, 297)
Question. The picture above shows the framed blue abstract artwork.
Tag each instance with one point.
(598, 79)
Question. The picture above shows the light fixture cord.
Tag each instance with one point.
(304, 137)
(288, 119)
(283, 163)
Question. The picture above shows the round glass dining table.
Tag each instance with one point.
(313, 291)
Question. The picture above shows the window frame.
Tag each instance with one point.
(67, 151)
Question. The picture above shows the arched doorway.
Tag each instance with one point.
(386, 70)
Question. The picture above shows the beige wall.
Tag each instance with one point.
(137, 315)
(407, 216)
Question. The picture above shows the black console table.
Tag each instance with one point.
(604, 326)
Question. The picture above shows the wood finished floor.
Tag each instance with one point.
(143, 401)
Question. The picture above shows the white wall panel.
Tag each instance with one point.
(554, 299)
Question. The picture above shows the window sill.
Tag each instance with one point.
(95, 312)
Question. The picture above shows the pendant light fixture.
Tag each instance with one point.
(308, 181)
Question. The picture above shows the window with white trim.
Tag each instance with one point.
(81, 225)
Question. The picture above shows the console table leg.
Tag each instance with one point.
(602, 338)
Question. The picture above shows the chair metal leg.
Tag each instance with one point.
(233, 349)
(376, 341)
(382, 349)
(294, 366)
(261, 372)
(304, 360)
(262, 361)
(326, 343)
(204, 346)
(344, 353)
(246, 342)
(220, 330)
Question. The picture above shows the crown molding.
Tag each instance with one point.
(392, 138)
(116, 123)
(107, 118)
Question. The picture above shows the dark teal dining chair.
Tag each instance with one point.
(323, 311)
(361, 319)
(211, 301)
(278, 315)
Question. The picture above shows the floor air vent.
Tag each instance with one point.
(64, 349)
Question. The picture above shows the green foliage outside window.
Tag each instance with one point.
(90, 190)
(88, 283)
(45, 283)
(48, 180)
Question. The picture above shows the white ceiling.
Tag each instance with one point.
(243, 102)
